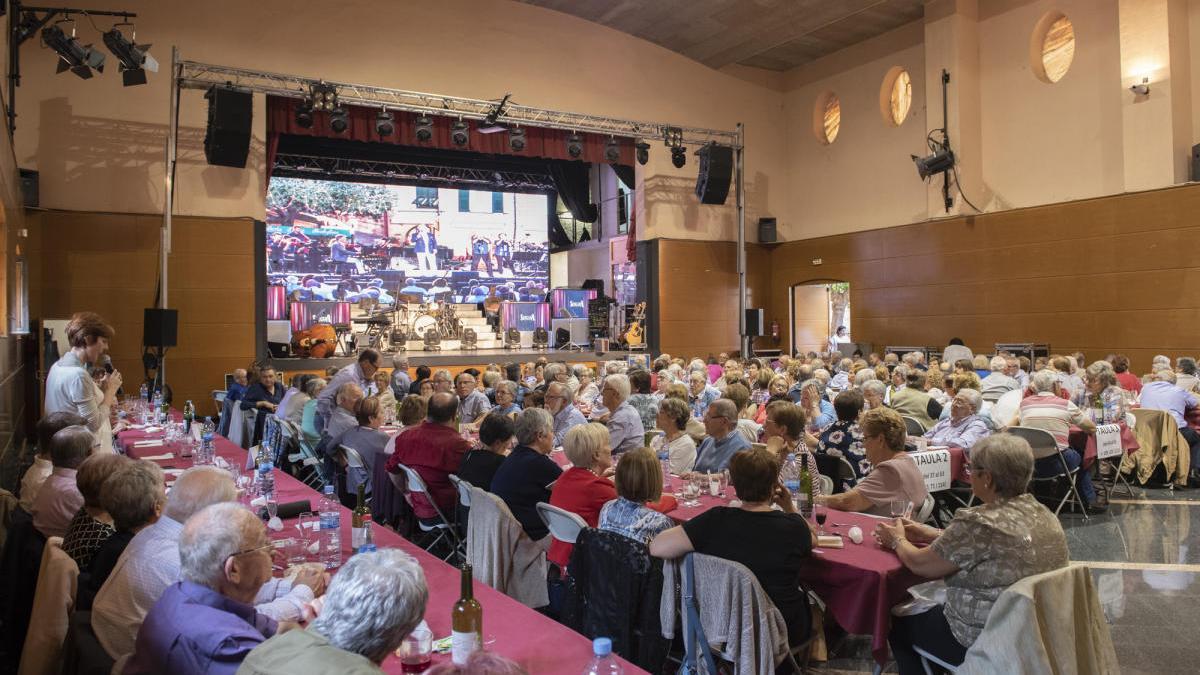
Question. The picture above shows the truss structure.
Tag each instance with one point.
(294, 165)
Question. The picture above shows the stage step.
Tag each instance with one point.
(474, 321)
(481, 343)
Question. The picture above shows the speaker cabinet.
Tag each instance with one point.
(160, 327)
(227, 136)
(766, 231)
(754, 322)
(1196, 162)
(29, 187)
(716, 170)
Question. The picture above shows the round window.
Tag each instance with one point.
(1053, 47)
(827, 117)
(895, 96)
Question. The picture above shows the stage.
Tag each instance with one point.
(458, 359)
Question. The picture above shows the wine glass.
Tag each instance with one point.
(820, 512)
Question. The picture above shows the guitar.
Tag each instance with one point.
(635, 335)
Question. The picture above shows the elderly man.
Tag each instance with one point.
(525, 476)
(1012, 368)
(964, 426)
(43, 464)
(401, 382)
(723, 440)
(703, 393)
(1185, 377)
(434, 449)
(566, 415)
(998, 382)
(441, 381)
(238, 388)
(342, 418)
(351, 637)
(473, 405)
(625, 428)
(206, 622)
(362, 373)
(59, 499)
(150, 563)
(1046, 409)
(1163, 394)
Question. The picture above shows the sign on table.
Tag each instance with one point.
(1108, 441)
(935, 468)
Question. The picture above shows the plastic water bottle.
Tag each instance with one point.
(603, 662)
(156, 407)
(144, 393)
(207, 448)
(266, 481)
(331, 529)
(790, 474)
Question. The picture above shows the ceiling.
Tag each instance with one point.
(771, 34)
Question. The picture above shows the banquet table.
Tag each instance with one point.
(1078, 438)
(536, 642)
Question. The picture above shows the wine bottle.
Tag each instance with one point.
(358, 517)
(466, 622)
(805, 488)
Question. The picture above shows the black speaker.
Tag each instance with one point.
(754, 322)
(227, 137)
(1196, 162)
(597, 284)
(716, 168)
(562, 338)
(766, 231)
(280, 350)
(160, 327)
(29, 187)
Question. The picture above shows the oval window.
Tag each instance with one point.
(1053, 47)
(895, 96)
(827, 117)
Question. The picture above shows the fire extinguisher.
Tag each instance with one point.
(775, 331)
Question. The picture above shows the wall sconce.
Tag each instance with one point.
(1142, 89)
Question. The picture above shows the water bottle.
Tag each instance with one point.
(156, 407)
(144, 393)
(331, 529)
(790, 474)
(266, 481)
(664, 458)
(603, 662)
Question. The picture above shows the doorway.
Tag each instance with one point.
(817, 309)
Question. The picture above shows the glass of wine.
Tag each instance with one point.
(416, 651)
(820, 512)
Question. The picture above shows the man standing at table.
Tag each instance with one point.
(1162, 394)
(434, 449)
(566, 415)
(401, 382)
(361, 373)
(723, 440)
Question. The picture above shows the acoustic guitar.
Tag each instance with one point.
(635, 335)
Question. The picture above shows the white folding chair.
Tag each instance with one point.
(53, 601)
(354, 462)
(927, 658)
(564, 525)
(412, 484)
(464, 490)
(235, 427)
(824, 484)
(304, 457)
(926, 509)
(913, 426)
(1044, 445)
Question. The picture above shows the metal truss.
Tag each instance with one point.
(321, 166)
(193, 75)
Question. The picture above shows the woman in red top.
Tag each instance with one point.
(1128, 381)
(584, 488)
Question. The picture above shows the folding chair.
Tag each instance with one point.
(463, 511)
(564, 525)
(412, 485)
(927, 658)
(926, 509)
(218, 397)
(305, 457)
(824, 484)
(1044, 445)
(354, 462)
(913, 426)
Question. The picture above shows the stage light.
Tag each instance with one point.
(338, 120)
(384, 123)
(490, 123)
(459, 133)
(574, 146)
(470, 339)
(643, 152)
(612, 151)
(939, 162)
(424, 129)
(516, 139)
(134, 59)
(678, 156)
(324, 97)
(72, 56)
(304, 114)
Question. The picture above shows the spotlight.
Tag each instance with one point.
(612, 151)
(424, 129)
(490, 123)
(459, 133)
(678, 156)
(516, 139)
(940, 161)
(338, 120)
(643, 152)
(135, 59)
(304, 114)
(324, 97)
(72, 56)
(384, 124)
(574, 146)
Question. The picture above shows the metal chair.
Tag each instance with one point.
(1044, 445)
(412, 484)
(305, 457)
(464, 490)
(824, 484)
(927, 659)
(564, 525)
(354, 461)
(913, 426)
(926, 509)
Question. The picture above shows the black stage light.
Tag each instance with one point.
(612, 151)
(424, 129)
(516, 139)
(491, 123)
(72, 56)
(324, 97)
(338, 120)
(459, 133)
(574, 146)
(939, 162)
(135, 59)
(643, 152)
(304, 114)
(678, 156)
(384, 123)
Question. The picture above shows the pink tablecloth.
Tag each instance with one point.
(536, 642)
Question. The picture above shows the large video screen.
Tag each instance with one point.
(379, 244)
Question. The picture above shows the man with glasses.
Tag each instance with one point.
(206, 621)
(723, 440)
(566, 415)
(441, 381)
(473, 405)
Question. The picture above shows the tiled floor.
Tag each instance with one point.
(1145, 557)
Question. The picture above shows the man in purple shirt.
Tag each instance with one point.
(1162, 394)
(58, 500)
(206, 623)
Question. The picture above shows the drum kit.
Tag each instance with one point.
(413, 322)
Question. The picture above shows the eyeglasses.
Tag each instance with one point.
(250, 550)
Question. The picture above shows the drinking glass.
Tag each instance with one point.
(900, 508)
(272, 508)
(416, 651)
(303, 524)
(820, 513)
(714, 484)
(724, 482)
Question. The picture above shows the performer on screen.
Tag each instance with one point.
(502, 249)
(339, 255)
(481, 250)
(424, 244)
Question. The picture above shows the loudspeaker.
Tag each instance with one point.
(1196, 162)
(562, 337)
(227, 137)
(597, 284)
(766, 231)
(160, 327)
(280, 350)
(29, 187)
(754, 322)
(716, 168)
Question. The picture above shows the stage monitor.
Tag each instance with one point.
(571, 303)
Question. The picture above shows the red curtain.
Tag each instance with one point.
(546, 143)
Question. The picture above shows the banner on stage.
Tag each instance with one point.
(935, 468)
(525, 316)
(571, 303)
(1108, 441)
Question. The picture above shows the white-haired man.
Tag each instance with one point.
(342, 418)
(1046, 409)
(625, 428)
(401, 381)
(150, 563)
(964, 426)
(997, 383)
(361, 372)
(703, 393)
(723, 440)
(375, 600)
(205, 623)
(559, 404)
(1163, 394)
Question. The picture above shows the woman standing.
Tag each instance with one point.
(70, 387)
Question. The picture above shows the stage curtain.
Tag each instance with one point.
(546, 143)
(625, 173)
(571, 181)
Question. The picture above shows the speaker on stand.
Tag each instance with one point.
(716, 172)
(160, 331)
(227, 135)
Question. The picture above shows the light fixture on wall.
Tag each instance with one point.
(940, 161)
(1142, 88)
(574, 145)
(424, 129)
(304, 114)
(459, 133)
(643, 152)
(134, 59)
(324, 97)
(72, 56)
(491, 122)
(338, 120)
(679, 156)
(385, 124)
(673, 138)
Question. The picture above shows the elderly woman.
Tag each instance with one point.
(294, 401)
(624, 422)
(772, 543)
(496, 436)
(638, 481)
(747, 411)
(642, 400)
(350, 636)
(844, 438)
(133, 496)
(92, 525)
(588, 392)
(1102, 399)
(308, 414)
(383, 385)
(679, 447)
(863, 376)
(818, 411)
(964, 426)
(784, 434)
(873, 394)
(366, 439)
(935, 381)
(760, 385)
(584, 488)
(983, 551)
(506, 399)
(894, 475)
(69, 387)
(897, 379)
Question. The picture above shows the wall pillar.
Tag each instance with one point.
(952, 44)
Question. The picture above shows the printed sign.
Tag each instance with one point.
(935, 468)
(1108, 441)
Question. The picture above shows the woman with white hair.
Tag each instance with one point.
(375, 600)
(506, 399)
(588, 393)
(584, 488)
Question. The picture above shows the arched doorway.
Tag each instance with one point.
(817, 307)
